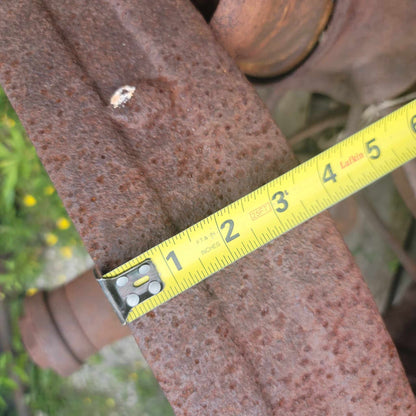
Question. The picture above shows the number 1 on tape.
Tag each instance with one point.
(201, 250)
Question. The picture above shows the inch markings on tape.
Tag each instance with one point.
(201, 250)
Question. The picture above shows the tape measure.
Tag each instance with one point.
(201, 250)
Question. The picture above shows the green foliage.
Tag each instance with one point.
(151, 400)
(153, 404)
(55, 396)
(393, 265)
(30, 208)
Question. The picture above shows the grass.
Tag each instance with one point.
(32, 220)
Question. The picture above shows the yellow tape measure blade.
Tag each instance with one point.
(259, 217)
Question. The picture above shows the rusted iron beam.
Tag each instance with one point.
(290, 329)
(62, 328)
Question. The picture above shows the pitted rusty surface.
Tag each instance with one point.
(290, 329)
(367, 53)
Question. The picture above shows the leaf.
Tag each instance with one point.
(9, 185)
(8, 383)
(18, 139)
(3, 404)
(4, 152)
(4, 359)
(21, 374)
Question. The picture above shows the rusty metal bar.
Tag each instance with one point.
(291, 329)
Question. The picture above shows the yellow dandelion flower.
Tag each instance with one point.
(63, 223)
(66, 252)
(87, 400)
(9, 122)
(133, 376)
(29, 200)
(31, 291)
(110, 402)
(49, 190)
(51, 239)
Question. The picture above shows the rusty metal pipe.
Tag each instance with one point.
(62, 328)
(269, 38)
(290, 329)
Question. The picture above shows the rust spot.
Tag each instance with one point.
(264, 311)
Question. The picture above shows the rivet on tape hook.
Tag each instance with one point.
(131, 288)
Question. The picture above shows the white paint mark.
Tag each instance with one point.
(122, 95)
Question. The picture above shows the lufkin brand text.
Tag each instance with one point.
(352, 159)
